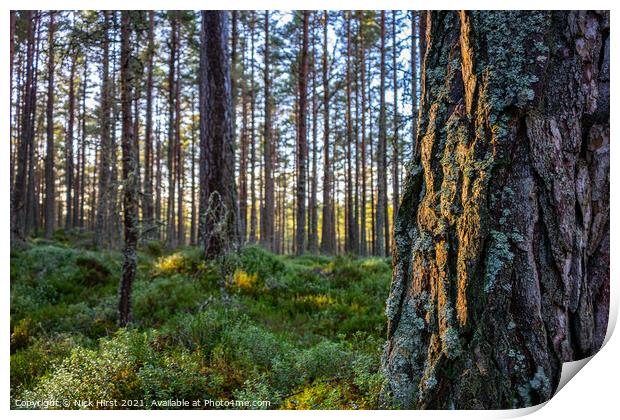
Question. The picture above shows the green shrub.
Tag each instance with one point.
(93, 271)
(158, 300)
(31, 363)
(180, 375)
(254, 259)
(154, 248)
(105, 374)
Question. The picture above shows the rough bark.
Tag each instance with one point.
(501, 262)
(217, 156)
(130, 174)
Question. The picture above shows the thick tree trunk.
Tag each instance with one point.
(302, 141)
(267, 216)
(501, 263)
(217, 156)
(130, 175)
(50, 182)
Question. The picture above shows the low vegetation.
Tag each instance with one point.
(300, 332)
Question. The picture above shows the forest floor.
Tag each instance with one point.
(300, 332)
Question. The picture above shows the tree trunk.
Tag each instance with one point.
(50, 183)
(217, 156)
(266, 235)
(313, 236)
(328, 238)
(395, 145)
(501, 263)
(18, 205)
(302, 141)
(130, 175)
(69, 165)
(243, 163)
(253, 221)
(102, 223)
(170, 219)
(381, 219)
(147, 211)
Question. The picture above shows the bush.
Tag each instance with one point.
(179, 375)
(255, 260)
(93, 272)
(158, 300)
(105, 374)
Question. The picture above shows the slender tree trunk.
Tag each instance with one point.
(395, 139)
(50, 182)
(362, 61)
(266, 235)
(83, 144)
(501, 269)
(194, 219)
(170, 217)
(253, 216)
(243, 164)
(381, 218)
(180, 167)
(147, 211)
(414, 76)
(69, 164)
(350, 228)
(102, 226)
(327, 229)
(130, 175)
(18, 210)
(313, 237)
(302, 141)
(217, 157)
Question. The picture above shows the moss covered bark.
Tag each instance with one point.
(501, 255)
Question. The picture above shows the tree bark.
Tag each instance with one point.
(217, 156)
(130, 174)
(501, 263)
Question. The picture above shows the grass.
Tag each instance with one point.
(301, 332)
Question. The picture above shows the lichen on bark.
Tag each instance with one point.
(501, 251)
